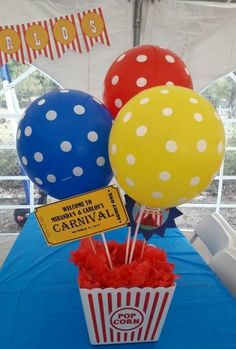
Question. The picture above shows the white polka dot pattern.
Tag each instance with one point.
(220, 147)
(66, 146)
(113, 148)
(170, 59)
(38, 156)
(164, 91)
(164, 176)
(193, 100)
(144, 101)
(198, 117)
(118, 102)
(51, 178)
(79, 109)
(141, 82)
(28, 131)
(141, 131)
(100, 161)
(157, 194)
(195, 181)
(38, 181)
(171, 146)
(24, 161)
(129, 181)
(141, 58)
(167, 111)
(130, 159)
(201, 145)
(64, 91)
(115, 80)
(51, 115)
(92, 136)
(77, 171)
(18, 134)
(41, 101)
(127, 116)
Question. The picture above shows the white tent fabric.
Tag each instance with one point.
(202, 34)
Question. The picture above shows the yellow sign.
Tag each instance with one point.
(81, 216)
(92, 25)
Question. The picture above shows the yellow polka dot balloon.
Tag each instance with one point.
(166, 145)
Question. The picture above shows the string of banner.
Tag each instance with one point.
(52, 37)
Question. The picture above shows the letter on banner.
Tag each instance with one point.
(65, 34)
(93, 28)
(37, 40)
(11, 45)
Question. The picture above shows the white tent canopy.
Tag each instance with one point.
(202, 34)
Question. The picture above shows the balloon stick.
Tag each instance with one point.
(143, 248)
(136, 232)
(107, 251)
(93, 247)
(127, 245)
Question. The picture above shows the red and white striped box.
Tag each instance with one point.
(125, 315)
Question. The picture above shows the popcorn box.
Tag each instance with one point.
(125, 315)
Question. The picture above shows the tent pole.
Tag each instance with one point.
(137, 21)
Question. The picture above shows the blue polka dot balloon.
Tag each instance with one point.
(62, 143)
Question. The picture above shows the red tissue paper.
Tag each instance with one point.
(150, 269)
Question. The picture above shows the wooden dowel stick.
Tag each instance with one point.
(107, 251)
(136, 232)
(92, 244)
(143, 248)
(127, 245)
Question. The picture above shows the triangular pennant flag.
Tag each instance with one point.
(11, 44)
(37, 40)
(93, 28)
(65, 34)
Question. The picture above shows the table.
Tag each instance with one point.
(40, 304)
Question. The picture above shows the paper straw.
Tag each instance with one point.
(107, 250)
(136, 232)
(127, 245)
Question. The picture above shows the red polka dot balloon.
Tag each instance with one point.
(140, 68)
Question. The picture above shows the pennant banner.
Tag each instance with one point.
(53, 37)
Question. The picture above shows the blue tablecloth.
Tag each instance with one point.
(40, 304)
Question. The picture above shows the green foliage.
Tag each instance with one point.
(35, 85)
(222, 94)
